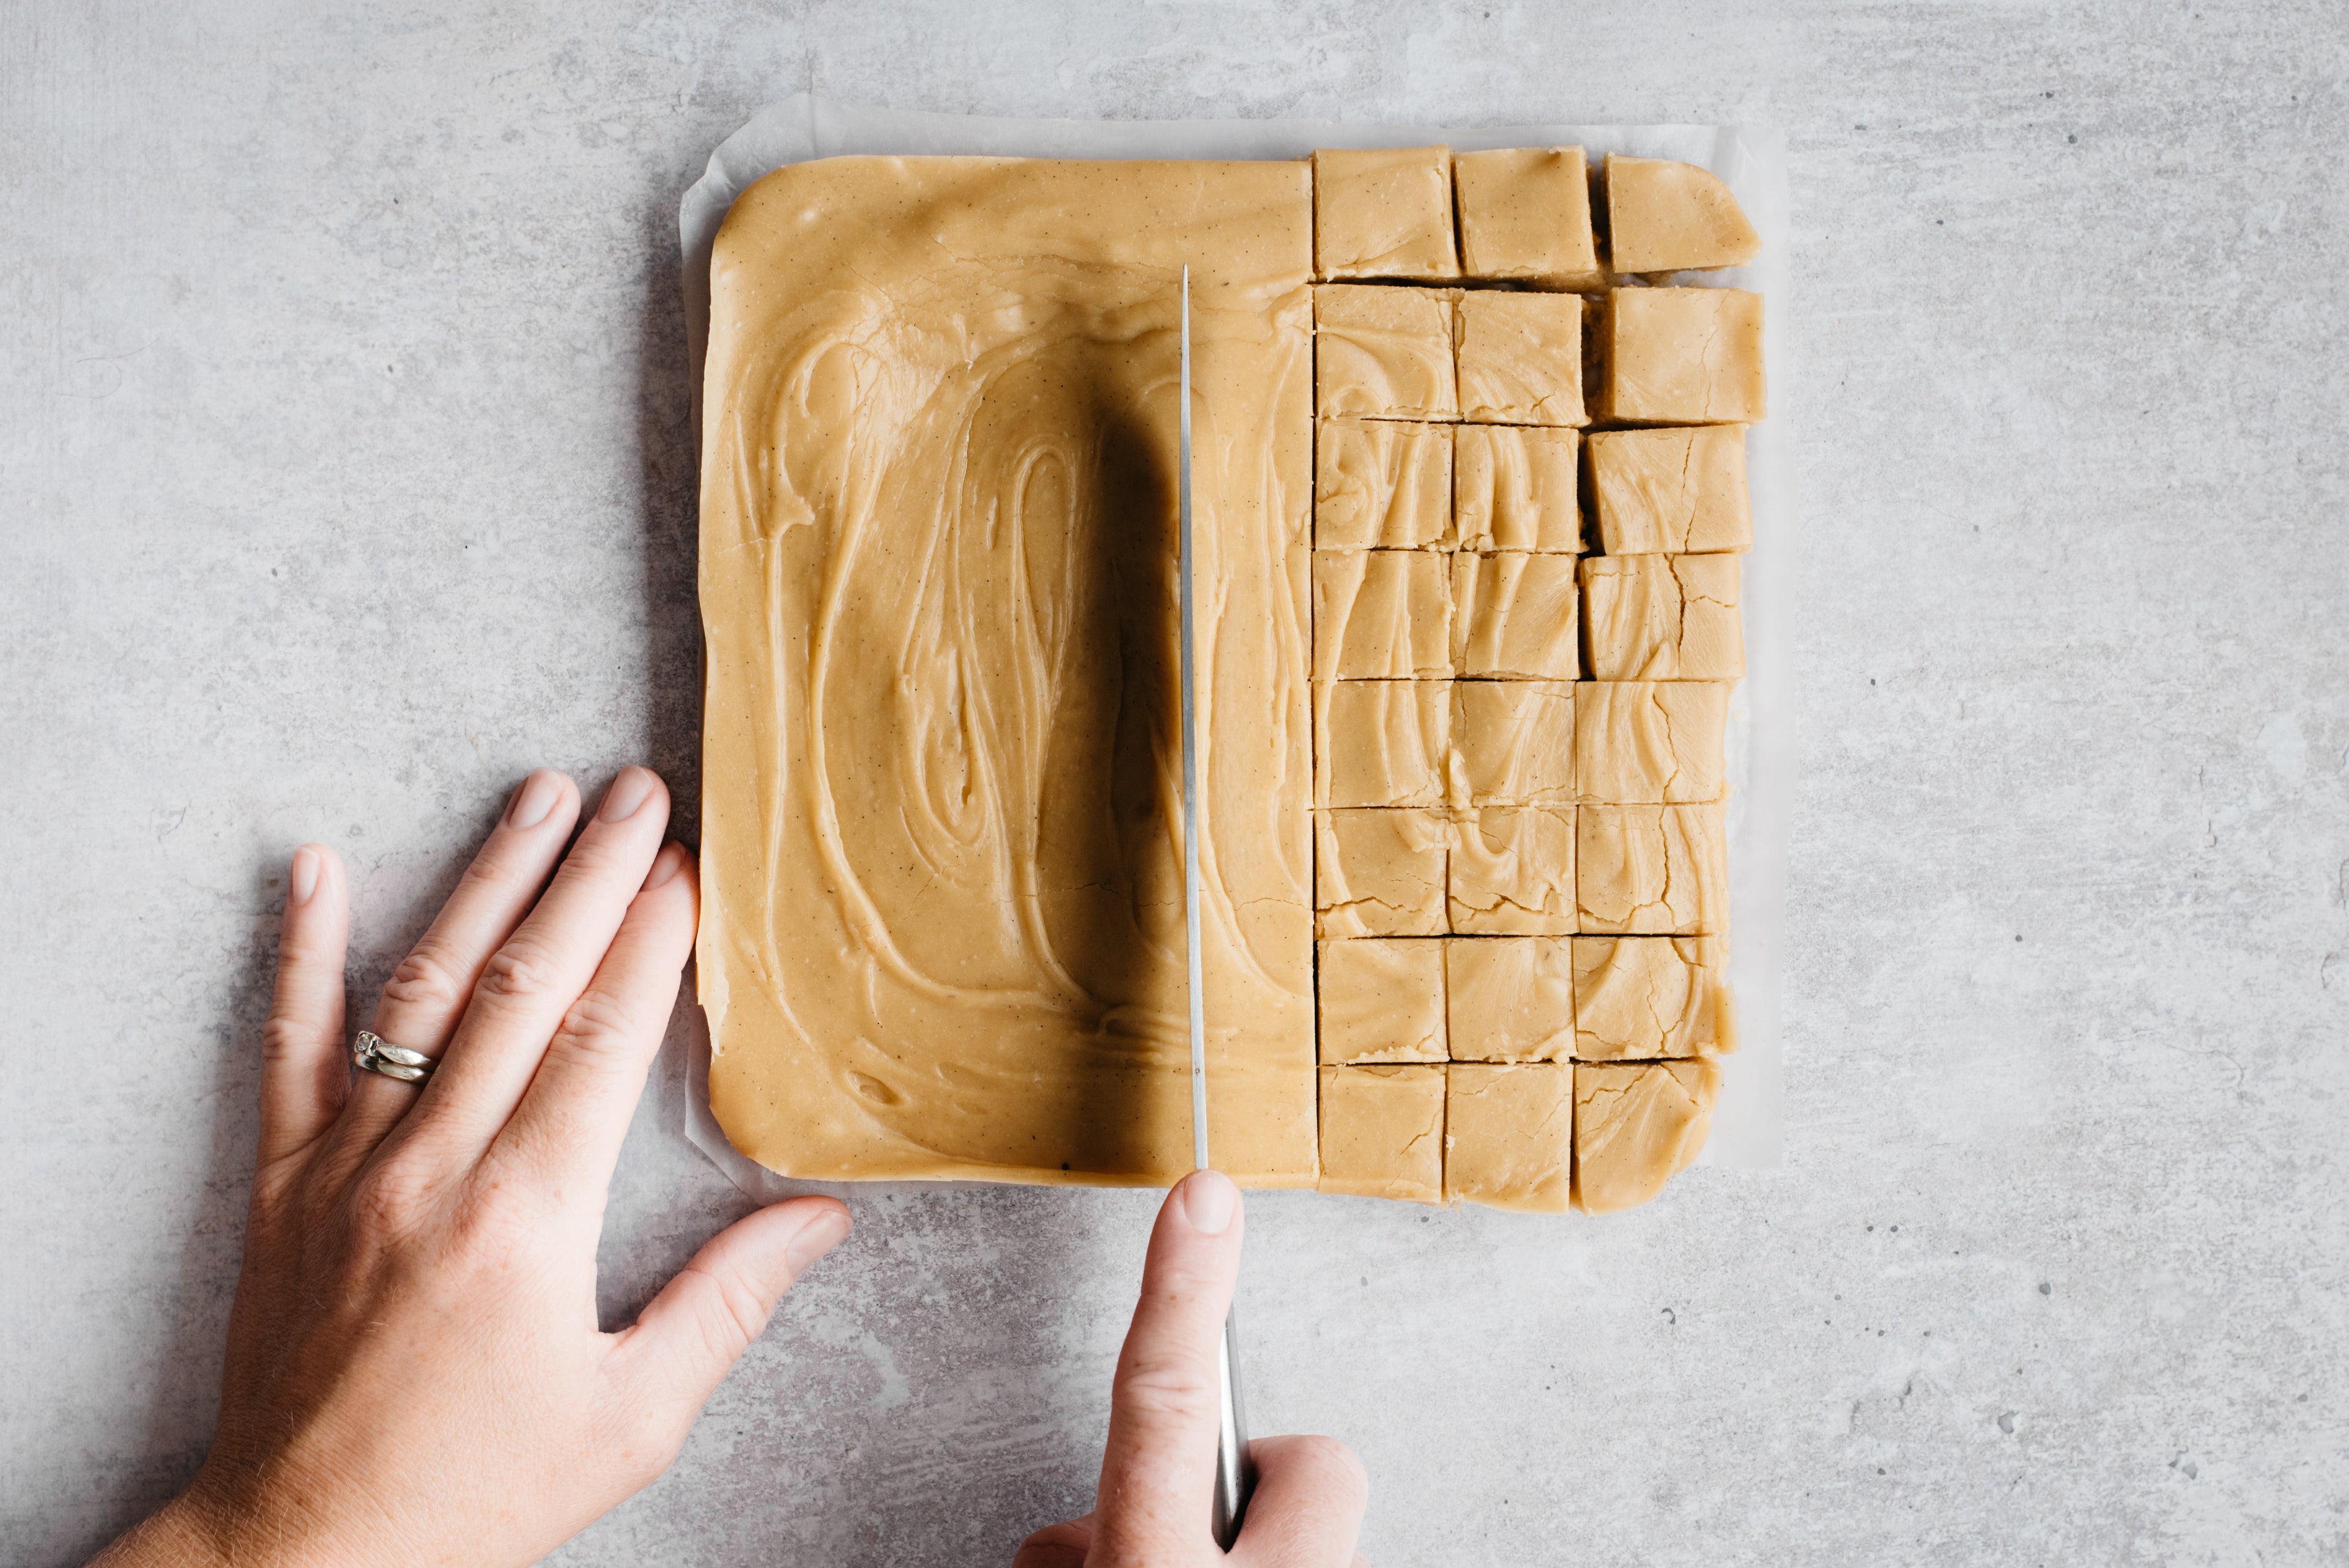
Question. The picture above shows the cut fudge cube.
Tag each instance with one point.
(1684, 356)
(1379, 484)
(1382, 1000)
(1514, 487)
(1636, 1128)
(1380, 743)
(1382, 1132)
(1514, 617)
(1383, 352)
(1671, 491)
(1510, 998)
(1511, 871)
(1668, 217)
(1520, 358)
(1512, 743)
(1654, 870)
(1641, 997)
(1381, 614)
(1383, 213)
(1642, 741)
(1524, 212)
(1379, 874)
(1664, 617)
(1508, 1136)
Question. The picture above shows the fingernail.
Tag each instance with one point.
(820, 1236)
(628, 792)
(303, 880)
(1209, 1201)
(667, 864)
(535, 798)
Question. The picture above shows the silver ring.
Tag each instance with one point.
(375, 1054)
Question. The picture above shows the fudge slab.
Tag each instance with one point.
(1636, 1128)
(1382, 1132)
(1515, 487)
(1520, 357)
(1524, 212)
(1379, 873)
(1515, 616)
(1508, 1136)
(1639, 998)
(1512, 743)
(1683, 356)
(1384, 352)
(1382, 1001)
(1380, 743)
(1658, 871)
(1379, 484)
(1381, 614)
(942, 927)
(1664, 617)
(1383, 213)
(1510, 998)
(1511, 871)
(1642, 741)
(1671, 491)
(1669, 217)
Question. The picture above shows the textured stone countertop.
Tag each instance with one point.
(344, 476)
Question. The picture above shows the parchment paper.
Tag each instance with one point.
(1747, 1126)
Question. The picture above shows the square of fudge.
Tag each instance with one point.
(1383, 213)
(1515, 487)
(1683, 356)
(1510, 998)
(1382, 1132)
(1653, 871)
(1380, 743)
(1636, 1128)
(1508, 1136)
(1639, 997)
(1664, 617)
(1383, 352)
(1512, 743)
(1668, 217)
(1380, 484)
(1380, 999)
(1511, 871)
(1671, 491)
(1524, 212)
(1520, 357)
(1378, 872)
(1642, 741)
(1381, 614)
(1515, 616)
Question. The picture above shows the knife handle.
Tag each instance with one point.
(1235, 1471)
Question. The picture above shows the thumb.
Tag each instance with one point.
(688, 1338)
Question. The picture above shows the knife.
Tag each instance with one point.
(1235, 1476)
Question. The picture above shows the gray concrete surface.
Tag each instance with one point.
(343, 477)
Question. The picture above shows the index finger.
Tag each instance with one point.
(1158, 1469)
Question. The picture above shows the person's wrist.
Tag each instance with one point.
(176, 1535)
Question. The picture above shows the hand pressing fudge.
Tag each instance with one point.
(1668, 217)
(1508, 1136)
(1383, 352)
(1511, 871)
(1514, 617)
(1670, 491)
(1642, 741)
(1384, 212)
(1382, 1132)
(1381, 614)
(1382, 1000)
(1524, 212)
(1520, 357)
(1380, 743)
(1641, 997)
(1683, 356)
(1379, 484)
(1514, 487)
(1379, 874)
(1512, 743)
(1510, 998)
(1664, 617)
(1656, 871)
(1636, 1128)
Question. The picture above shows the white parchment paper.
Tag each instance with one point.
(1746, 1128)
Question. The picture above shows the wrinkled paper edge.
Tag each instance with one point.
(1748, 1118)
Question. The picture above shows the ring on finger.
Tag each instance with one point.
(375, 1054)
